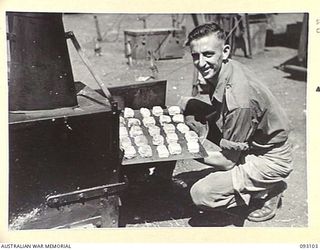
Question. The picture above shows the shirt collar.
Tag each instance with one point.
(223, 79)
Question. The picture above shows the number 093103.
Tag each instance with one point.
(308, 246)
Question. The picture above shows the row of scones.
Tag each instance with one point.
(162, 130)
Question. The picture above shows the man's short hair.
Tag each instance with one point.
(204, 30)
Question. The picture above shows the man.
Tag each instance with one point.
(249, 126)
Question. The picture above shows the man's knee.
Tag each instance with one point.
(213, 193)
(203, 196)
(199, 194)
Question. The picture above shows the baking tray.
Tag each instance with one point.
(185, 154)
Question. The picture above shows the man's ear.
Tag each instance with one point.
(226, 51)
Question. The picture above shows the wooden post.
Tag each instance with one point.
(302, 51)
(248, 34)
(99, 37)
(195, 20)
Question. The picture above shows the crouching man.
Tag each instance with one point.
(248, 125)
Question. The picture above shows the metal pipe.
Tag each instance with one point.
(91, 69)
(295, 68)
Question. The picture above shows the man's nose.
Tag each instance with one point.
(202, 61)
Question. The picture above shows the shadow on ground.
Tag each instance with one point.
(296, 69)
(149, 202)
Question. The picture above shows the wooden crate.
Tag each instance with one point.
(258, 32)
(163, 43)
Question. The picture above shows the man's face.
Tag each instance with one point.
(208, 53)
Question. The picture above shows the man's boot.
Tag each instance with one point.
(265, 209)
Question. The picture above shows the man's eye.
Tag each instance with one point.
(208, 55)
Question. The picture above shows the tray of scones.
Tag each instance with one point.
(157, 134)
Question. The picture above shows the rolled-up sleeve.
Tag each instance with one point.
(236, 129)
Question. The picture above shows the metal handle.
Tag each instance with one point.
(83, 195)
(86, 61)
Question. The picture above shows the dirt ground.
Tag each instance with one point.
(162, 209)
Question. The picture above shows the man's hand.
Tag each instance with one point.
(201, 129)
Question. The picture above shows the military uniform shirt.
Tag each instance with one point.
(248, 111)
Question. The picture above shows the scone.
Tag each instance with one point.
(140, 140)
(178, 118)
(174, 110)
(183, 128)
(174, 148)
(157, 140)
(129, 152)
(128, 113)
(135, 131)
(121, 120)
(169, 128)
(162, 151)
(123, 132)
(191, 136)
(193, 147)
(133, 121)
(148, 121)
(157, 111)
(145, 112)
(154, 130)
(125, 142)
(172, 137)
(164, 119)
(145, 151)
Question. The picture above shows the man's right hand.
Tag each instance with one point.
(201, 129)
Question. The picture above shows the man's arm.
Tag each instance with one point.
(197, 108)
(235, 131)
(222, 160)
